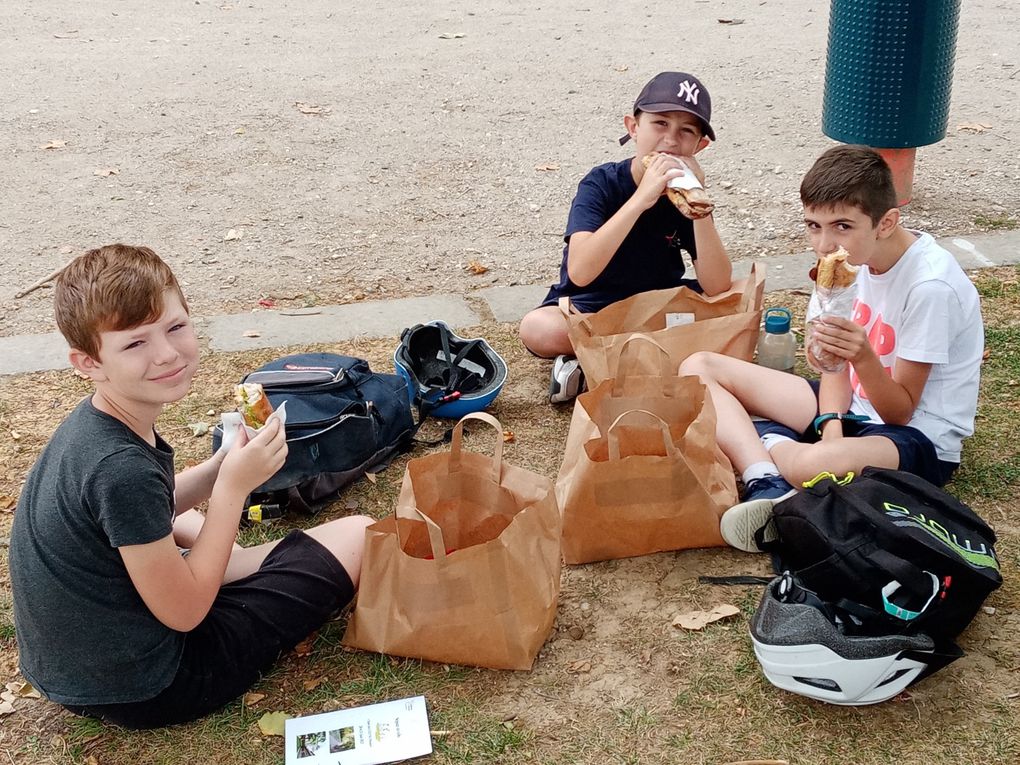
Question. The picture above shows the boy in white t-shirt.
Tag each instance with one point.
(914, 347)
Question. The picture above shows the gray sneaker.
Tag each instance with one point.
(739, 524)
(567, 380)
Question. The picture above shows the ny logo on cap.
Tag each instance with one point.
(689, 92)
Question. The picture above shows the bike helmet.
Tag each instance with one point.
(447, 375)
(817, 649)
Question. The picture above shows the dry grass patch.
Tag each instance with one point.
(616, 682)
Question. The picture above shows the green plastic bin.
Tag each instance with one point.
(889, 71)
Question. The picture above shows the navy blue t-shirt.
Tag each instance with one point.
(649, 258)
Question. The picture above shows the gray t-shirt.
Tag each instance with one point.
(84, 634)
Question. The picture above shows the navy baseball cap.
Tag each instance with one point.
(676, 92)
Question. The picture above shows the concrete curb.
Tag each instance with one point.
(386, 318)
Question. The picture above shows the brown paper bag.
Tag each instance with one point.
(726, 323)
(467, 570)
(642, 471)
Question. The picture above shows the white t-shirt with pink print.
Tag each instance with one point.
(925, 309)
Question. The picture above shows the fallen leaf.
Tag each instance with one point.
(311, 685)
(509, 437)
(272, 723)
(267, 303)
(239, 131)
(304, 648)
(15, 435)
(476, 268)
(251, 698)
(252, 333)
(24, 690)
(7, 503)
(232, 235)
(734, 22)
(6, 708)
(105, 172)
(986, 354)
(973, 127)
(198, 428)
(351, 504)
(311, 108)
(371, 477)
(54, 145)
(697, 620)
(8, 696)
(579, 667)
(451, 35)
(547, 167)
(210, 413)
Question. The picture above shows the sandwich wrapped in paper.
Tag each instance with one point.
(686, 192)
(253, 411)
(833, 295)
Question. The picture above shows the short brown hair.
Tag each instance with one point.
(110, 288)
(850, 175)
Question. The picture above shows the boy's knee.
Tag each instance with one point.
(543, 335)
(700, 363)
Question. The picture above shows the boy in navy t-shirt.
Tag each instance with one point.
(623, 235)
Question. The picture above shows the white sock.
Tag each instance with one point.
(759, 470)
(771, 439)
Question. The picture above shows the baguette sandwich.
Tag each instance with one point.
(833, 272)
(692, 200)
(253, 404)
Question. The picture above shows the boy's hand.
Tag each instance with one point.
(843, 338)
(656, 175)
(249, 464)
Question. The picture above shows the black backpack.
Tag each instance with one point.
(906, 555)
(343, 420)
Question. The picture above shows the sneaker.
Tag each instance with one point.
(567, 380)
(739, 524)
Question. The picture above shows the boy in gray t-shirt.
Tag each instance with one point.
(112, 621)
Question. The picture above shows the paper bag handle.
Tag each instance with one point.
(626, 351)
(436, 541)
(458, 433)
(614, 443)
(567, 308)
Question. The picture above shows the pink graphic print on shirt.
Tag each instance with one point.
(881, 337)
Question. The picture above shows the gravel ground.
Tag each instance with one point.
(317, 152)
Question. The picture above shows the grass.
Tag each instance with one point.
(652, 694)
(996, 222)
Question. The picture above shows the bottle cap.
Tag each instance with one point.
(777, 321)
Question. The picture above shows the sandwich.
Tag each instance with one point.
(253, 404)
(686, 192)
(833, 272)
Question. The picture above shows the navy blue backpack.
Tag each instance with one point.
(343, 420)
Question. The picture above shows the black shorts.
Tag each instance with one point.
(251, 622)
(916, 451)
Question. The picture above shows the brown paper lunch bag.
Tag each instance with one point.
(642, 471)
(467, 569)
(726, 323)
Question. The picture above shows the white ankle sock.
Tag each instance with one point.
(771, 439)
(759, 470)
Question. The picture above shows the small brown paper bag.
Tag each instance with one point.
(726, 323)
(642, 471)
(467, 570)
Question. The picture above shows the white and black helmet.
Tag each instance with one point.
(812, 647)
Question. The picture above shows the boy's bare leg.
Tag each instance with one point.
(344, 538)
(544, 332)
(740, 389)
(802, 462)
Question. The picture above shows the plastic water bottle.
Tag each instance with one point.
(777, 348)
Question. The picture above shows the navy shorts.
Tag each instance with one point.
(298, 588)
(591, 303)
(917, 452)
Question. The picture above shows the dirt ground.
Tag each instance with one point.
(321, 152)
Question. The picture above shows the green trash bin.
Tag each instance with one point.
(889, 71)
